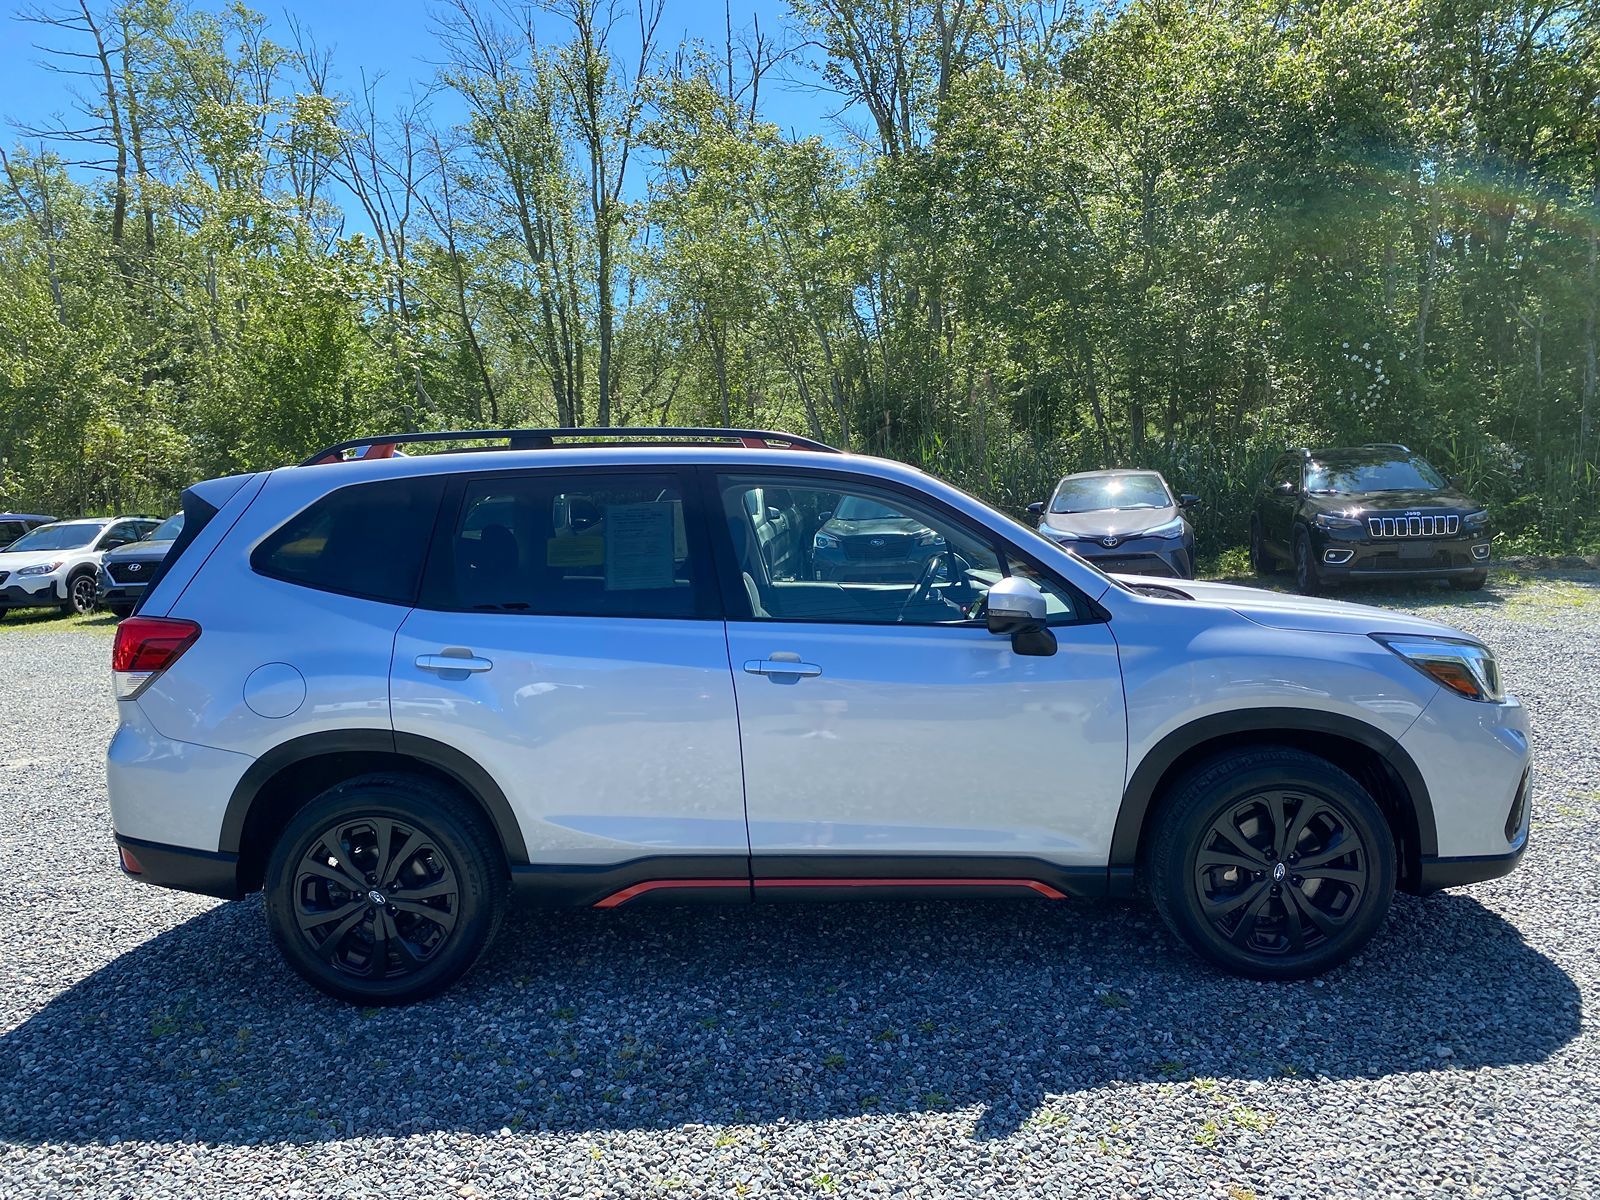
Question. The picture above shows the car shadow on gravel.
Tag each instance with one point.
(662, 1017)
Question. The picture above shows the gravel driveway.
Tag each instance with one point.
(152, 1044)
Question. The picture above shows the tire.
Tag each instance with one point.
(428, 941)
(1471, 583)
(1271, 921)
(1261, 562)
(1306, 580)
(120, 611)
(82, 594)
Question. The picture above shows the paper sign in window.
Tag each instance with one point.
(639, 545)
(585, 550)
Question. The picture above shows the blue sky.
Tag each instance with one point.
(394, 37)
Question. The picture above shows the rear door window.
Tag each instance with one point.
(605, 544)
(367, 540)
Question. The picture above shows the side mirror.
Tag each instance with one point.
(1015, 607)
(773, 514)
(1036, 509)
(824, 517)
(1190, 500)
(1286, 488)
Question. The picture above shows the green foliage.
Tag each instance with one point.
(1181, 236)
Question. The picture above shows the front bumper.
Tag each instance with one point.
(1361, 557)
(1435, 873)
(1170, 558)
(32, 592)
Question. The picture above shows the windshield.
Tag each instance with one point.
(1337, 477)
(1095, 493)
(857, 508)
(57, 537)
(167, 531)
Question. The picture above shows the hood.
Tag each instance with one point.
(1391, 501)
(876, 526)
(1110, 522)
(29, 558)
(140, 550)
(1282, 610)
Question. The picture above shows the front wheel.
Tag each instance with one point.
(384, 890)
(1272, 863)
(1471, 583)
(81, 595)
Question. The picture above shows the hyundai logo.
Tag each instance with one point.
(1109, 542)
(135, 567)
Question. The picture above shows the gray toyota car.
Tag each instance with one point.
(1126, 522)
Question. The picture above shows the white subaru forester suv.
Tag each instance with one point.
(394, 691)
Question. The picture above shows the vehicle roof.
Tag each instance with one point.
(87, 521)
(1362, 453)
(10, 516)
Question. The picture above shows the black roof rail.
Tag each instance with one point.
(384, 445)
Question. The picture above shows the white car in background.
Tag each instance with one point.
(57, 565)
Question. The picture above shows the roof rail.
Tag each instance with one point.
(1387, 446)
(384, 445)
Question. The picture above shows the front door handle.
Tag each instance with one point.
(453, 659)
(791, 667)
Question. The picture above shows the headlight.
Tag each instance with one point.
(1466, 668)
(40, 569)
(1172, 529)
(825, 541)
(929, 538)
(1476, 520)
(1327, 521)
(1058, 535)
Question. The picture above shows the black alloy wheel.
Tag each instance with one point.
(1281, 872)
(81, 594)
(385, 889)
(1272, 863)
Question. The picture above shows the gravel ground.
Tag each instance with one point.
(151, 1044)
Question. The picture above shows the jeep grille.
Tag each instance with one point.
(1388, 527)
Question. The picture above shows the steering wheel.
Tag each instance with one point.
(923, 591)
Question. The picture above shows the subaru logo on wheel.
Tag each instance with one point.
(1109, 542)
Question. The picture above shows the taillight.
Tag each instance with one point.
(145, 647)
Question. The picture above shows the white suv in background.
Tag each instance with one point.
(58, 565)
(394, 691)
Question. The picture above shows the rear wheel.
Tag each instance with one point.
(119, 611)
(1272, 863)
(384, 891)
(1261, 562)
(1306, 579)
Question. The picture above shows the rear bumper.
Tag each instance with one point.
(182, 868)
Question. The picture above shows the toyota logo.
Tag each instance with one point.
(1109, 542)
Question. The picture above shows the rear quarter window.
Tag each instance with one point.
(367, 540)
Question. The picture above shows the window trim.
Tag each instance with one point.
(730, 577)
(437, 593)
(258, 554)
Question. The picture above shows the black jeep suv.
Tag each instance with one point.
(1366, 512)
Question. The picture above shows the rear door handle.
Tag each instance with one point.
(782, 666)
(453, 659)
